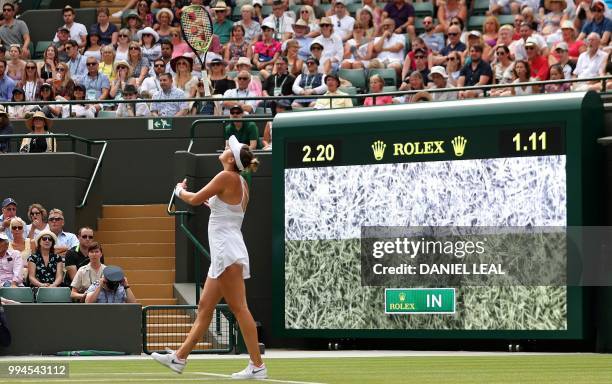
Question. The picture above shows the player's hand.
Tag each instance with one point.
(124, 282)
(182, 184)
(206, 203)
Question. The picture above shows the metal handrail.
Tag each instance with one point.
(73, 139)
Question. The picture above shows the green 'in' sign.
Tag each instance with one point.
(420, 300)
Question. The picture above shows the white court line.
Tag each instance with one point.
(258, 380)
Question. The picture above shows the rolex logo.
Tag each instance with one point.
(459, 143)
(402, 296)
(378, 147)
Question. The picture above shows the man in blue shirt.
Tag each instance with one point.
(169, 91)
(454, 44)
(76, 63)
(113, 287)
(600, 24)
(6, 83)
(96, 83)
(476, 73)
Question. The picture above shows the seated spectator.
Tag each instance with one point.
(6, 128)
(499, 7)
(415, 82)
(518, 47)
(106, 30)
(280, 21)
(402, 13)
(65, 240)
(47, 68)
(38, 124)
(77, 256)
(447, 10)
(237, 47)
(92, 46)
(52, 111)
(123, 44)
(16, 66)
(300, 35)
(308, 18)
(281, 106)
(113, 287)
(600, 24)
(78, 32)
(14, 31)
(24, 246)
(134, 24)
(63, 37)
(522, 73)
(556, 73)
(252, 29)
(138, 64)
(107, 64)
(244, 64)
(356, 50)
(333, 82)
(222, 27)
(79, 110)
(150, 85)
(309, 83)
(433, 40)
(409, 61)
(503, 70)
(376, 86)
(96, 84)
(179, 47)
(169, 91)
(342, 20)
(574, 47)
(151, 49)
(19, 111)
(132, 109)
(554, 13)
(30, 82)
(11, 265)
(281, 82)
(123, 77)
(218, 84)
(420, 64)
(318, 12)
(490, 28)
(438, 79)
(6, 83)
(76, 62)
(333, 52)
(266, 51)
(143, 9)
(589, 63)
(242, 90)
(38, 217)
(90, 272)
(475, 38)
(504, 37)
(45, 267)
(246, 133)
(9, 210)
(63, 85)
(537, 62)
(370, 23)
(454, 45)
(475, 73)
(184, 79)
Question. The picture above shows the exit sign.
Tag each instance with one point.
(419, 301)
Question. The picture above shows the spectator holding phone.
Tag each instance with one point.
(113, 287)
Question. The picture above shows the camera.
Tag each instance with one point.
(112, 285)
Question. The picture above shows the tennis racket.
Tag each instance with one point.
(197, 30)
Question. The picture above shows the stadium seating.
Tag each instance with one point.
(20, 294)
(388, 74)
(53, 295)
(480, 7)
(355, 76)
(40, 48)
(103, 113)
(423, 9)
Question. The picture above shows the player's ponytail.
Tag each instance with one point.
(249, 160)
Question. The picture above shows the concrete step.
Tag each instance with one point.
(150, 277)
(146, 302)
(152, 291)
(131, 249)
(121, 237)
(152, 210)
(136, 223)
(141, 263)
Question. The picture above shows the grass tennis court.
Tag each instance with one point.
(540, 369)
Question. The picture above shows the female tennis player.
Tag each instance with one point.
(227, 196)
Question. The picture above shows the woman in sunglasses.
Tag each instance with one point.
(123, 44)
(38, 217)
(25, 246)
(63, 85)
(139, 65)
(31, 82)
(45, 267)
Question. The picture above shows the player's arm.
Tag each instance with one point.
(213, 188)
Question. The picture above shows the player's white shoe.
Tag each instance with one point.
(251, 372)
(170, 360)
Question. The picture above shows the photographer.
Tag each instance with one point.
(132, 109)
(111, 288)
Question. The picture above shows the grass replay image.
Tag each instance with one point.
(326, 208)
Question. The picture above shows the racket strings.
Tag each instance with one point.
(197, 28)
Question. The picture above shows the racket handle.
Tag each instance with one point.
(204, 77)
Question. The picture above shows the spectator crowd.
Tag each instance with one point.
(301, 48)
(44, 254)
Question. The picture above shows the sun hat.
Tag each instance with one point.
(39, 115)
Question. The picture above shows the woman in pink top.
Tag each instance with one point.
(376, 86)
(180, 47)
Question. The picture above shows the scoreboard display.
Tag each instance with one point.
(507, 163)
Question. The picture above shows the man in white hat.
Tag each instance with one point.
(518, 46)
(342, 21)
(333, 51)
(222, 27)
(281, 20)
(438, 78)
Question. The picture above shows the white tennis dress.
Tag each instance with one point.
(225, 237)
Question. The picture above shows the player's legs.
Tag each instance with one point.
(232, 288)
(211, 294)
